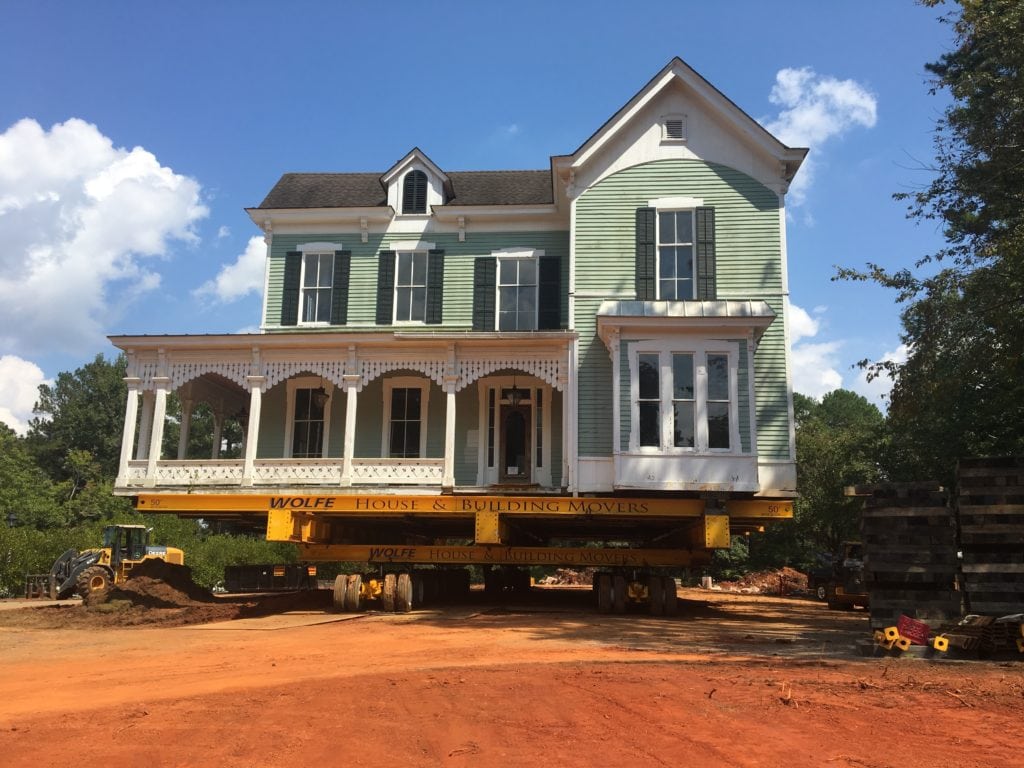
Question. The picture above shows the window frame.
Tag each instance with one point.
(519, 255)
(405, 382)
(700, 350)
(425, 253)
(692, 212)
(329, 290)
(307, 382)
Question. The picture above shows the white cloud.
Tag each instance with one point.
(223, 232)
(78, 218)
(241, 278)
(877, 390)
(19, 390)
(814, 109)
(813, 364)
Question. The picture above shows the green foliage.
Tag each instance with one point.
(961, 390)
(732, 563)
(26, 492)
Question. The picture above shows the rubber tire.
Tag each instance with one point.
(656, 595)
(403, 593)
(604, 593)
(619, 593)
(93, 584)
(353, 588)
(821, 592)
(339, 592)
(671, 599)
(387, 593)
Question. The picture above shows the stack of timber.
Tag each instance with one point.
(991, 513)
(910, 555)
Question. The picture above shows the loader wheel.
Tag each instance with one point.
(656, 595)
(671, 599)
(339, 592)
(387, 593)
(403, 593)
(93, 584)
(353, 587)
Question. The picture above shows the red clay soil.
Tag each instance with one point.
(736, 681)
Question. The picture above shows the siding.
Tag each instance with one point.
(749, 266)
(458, 271)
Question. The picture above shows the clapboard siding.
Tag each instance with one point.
(458, 272)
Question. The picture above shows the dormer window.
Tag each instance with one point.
(673, 128)
(414, 192)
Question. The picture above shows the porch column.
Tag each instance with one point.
(563, 384)
(186, 425)
(252, 434)
(218, 429)
(145, 425)
(162, 386)
(351, 384)
(448, 474)
(131, 414)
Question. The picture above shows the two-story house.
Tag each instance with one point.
(597, 351)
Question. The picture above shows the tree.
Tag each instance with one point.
(82, 411)
(27, 497)
(961, 390)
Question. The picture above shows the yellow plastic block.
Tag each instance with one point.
(879, 636)
(940, 643)
(903, 643)
(892, 634)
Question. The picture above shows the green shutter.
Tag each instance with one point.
(549, 293)
(706, 286)
(385, 287)
(646, 254)
(339, 288)
(485, 275)
(290, 293)
(435, 287)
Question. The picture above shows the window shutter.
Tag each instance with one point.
(414, 192)
(646, 254)
(339, 288)
(485, 275)
(706, 284)
(385, 287)
(290, 290)
(549, 293)
(435, 287)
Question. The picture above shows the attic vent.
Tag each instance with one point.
(675, 128)
(414, 192)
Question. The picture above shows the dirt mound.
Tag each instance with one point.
(570, 576)
(157, 584)
(783, 581)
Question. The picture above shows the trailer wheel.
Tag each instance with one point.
(656, 595)
(671, 600)
(339, 592)
(387, 593)
(619, 593)
(403, 593)
(353, 587)
(604, 593)
(93, 583)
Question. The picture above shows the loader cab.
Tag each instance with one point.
(127, 543)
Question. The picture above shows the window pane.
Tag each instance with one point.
(412, 439)
(398, 404)
(419, 271)
(302, 400)
(648, 379)
(402, 301)
(684, 262)
(308, 306)
(666, 228)
(310, 262)
(326, 270)
(527, 272)
(527, 301)
(419, 304)
(682, 428)
(650, 424)
(507, 321)
(507, 299)
(682, 377)
(718, 425)
(323, 305)
(507, 271)
(300, 441)
(316, 412)
(397, 439)
(684, 227)
(718, 377)
(404, 269)
(667, 262)
(412, 403)
(667, 290)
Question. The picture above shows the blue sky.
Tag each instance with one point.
(132, 135)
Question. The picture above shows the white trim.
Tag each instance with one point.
(693, 248)
(306, 382)
(302, 289)
(523, 254)
(319, 247)
(409, 245)
(268, 239)
(676, 203)
(539, 475)
(426, 285)
(405, 382)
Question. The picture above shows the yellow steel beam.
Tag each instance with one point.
(759, 508)
(377, 505)
(501, 555)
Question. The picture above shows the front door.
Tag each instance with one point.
(516, 459)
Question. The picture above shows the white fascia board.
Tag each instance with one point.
(609, 326)
(415, 154)
(453, 212)
(276, 216)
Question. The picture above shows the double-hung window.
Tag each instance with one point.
(405, 406)
(317, 279)
(517, 294)
(410, 286)
(683, 400)
(675, 255)
(307, 417)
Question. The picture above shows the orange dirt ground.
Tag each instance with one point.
(735, 680)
